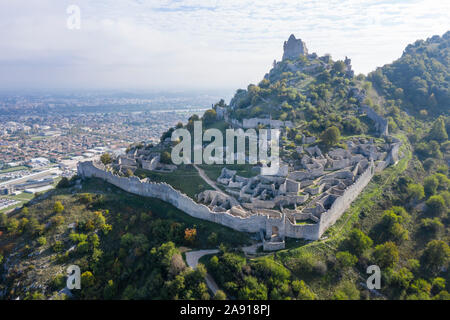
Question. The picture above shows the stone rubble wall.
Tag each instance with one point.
(380, 123)
(393, 155)
(252, 224)
(342, 203)
(273, 245)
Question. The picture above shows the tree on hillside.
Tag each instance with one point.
(57, 220)
(106, 158)
(86, 198)
(435, 255)
(194, 117)
(12, 225)
(431, 227)
(252, 290)
(430, 185)
(443, 181)
(167, 134)
(331, 136)
(438, 131)
(347, 291)
(358, 242)
(429, 164)
(436, 205)
(221, 103)
(392, 226)
(209, 116)
(190, 235)
(165, 158)
(302, 291)
(63, 183)
(346, 259)
(87, 279)
(58, 207)
(129, 173)
(339, 66)
(386, 255)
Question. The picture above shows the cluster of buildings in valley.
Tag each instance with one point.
(59, 138)
(5, 203)
(38, 103)
(37, 147)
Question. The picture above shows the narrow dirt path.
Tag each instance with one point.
(192, 257)
(253, 249)
(208, 180)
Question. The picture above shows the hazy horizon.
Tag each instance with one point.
(204, 46)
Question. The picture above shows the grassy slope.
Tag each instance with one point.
(40, 264)
(185, 179)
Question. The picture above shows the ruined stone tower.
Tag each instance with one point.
(293, 48)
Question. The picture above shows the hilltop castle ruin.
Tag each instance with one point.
(302, 200)
(293, 48)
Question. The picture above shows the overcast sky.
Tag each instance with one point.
(195, 44)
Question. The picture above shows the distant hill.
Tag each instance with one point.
(419, 79)
(131, 247)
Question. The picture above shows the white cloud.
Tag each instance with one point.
(198, 44)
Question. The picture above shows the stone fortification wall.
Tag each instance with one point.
(255, 122)
(168, 194)
(273, 245)
(150, 165)
(302, 231)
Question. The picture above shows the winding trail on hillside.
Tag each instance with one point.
(192, 257)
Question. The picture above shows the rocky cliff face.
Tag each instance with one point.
(293, 48)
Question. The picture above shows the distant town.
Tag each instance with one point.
(43, 139)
